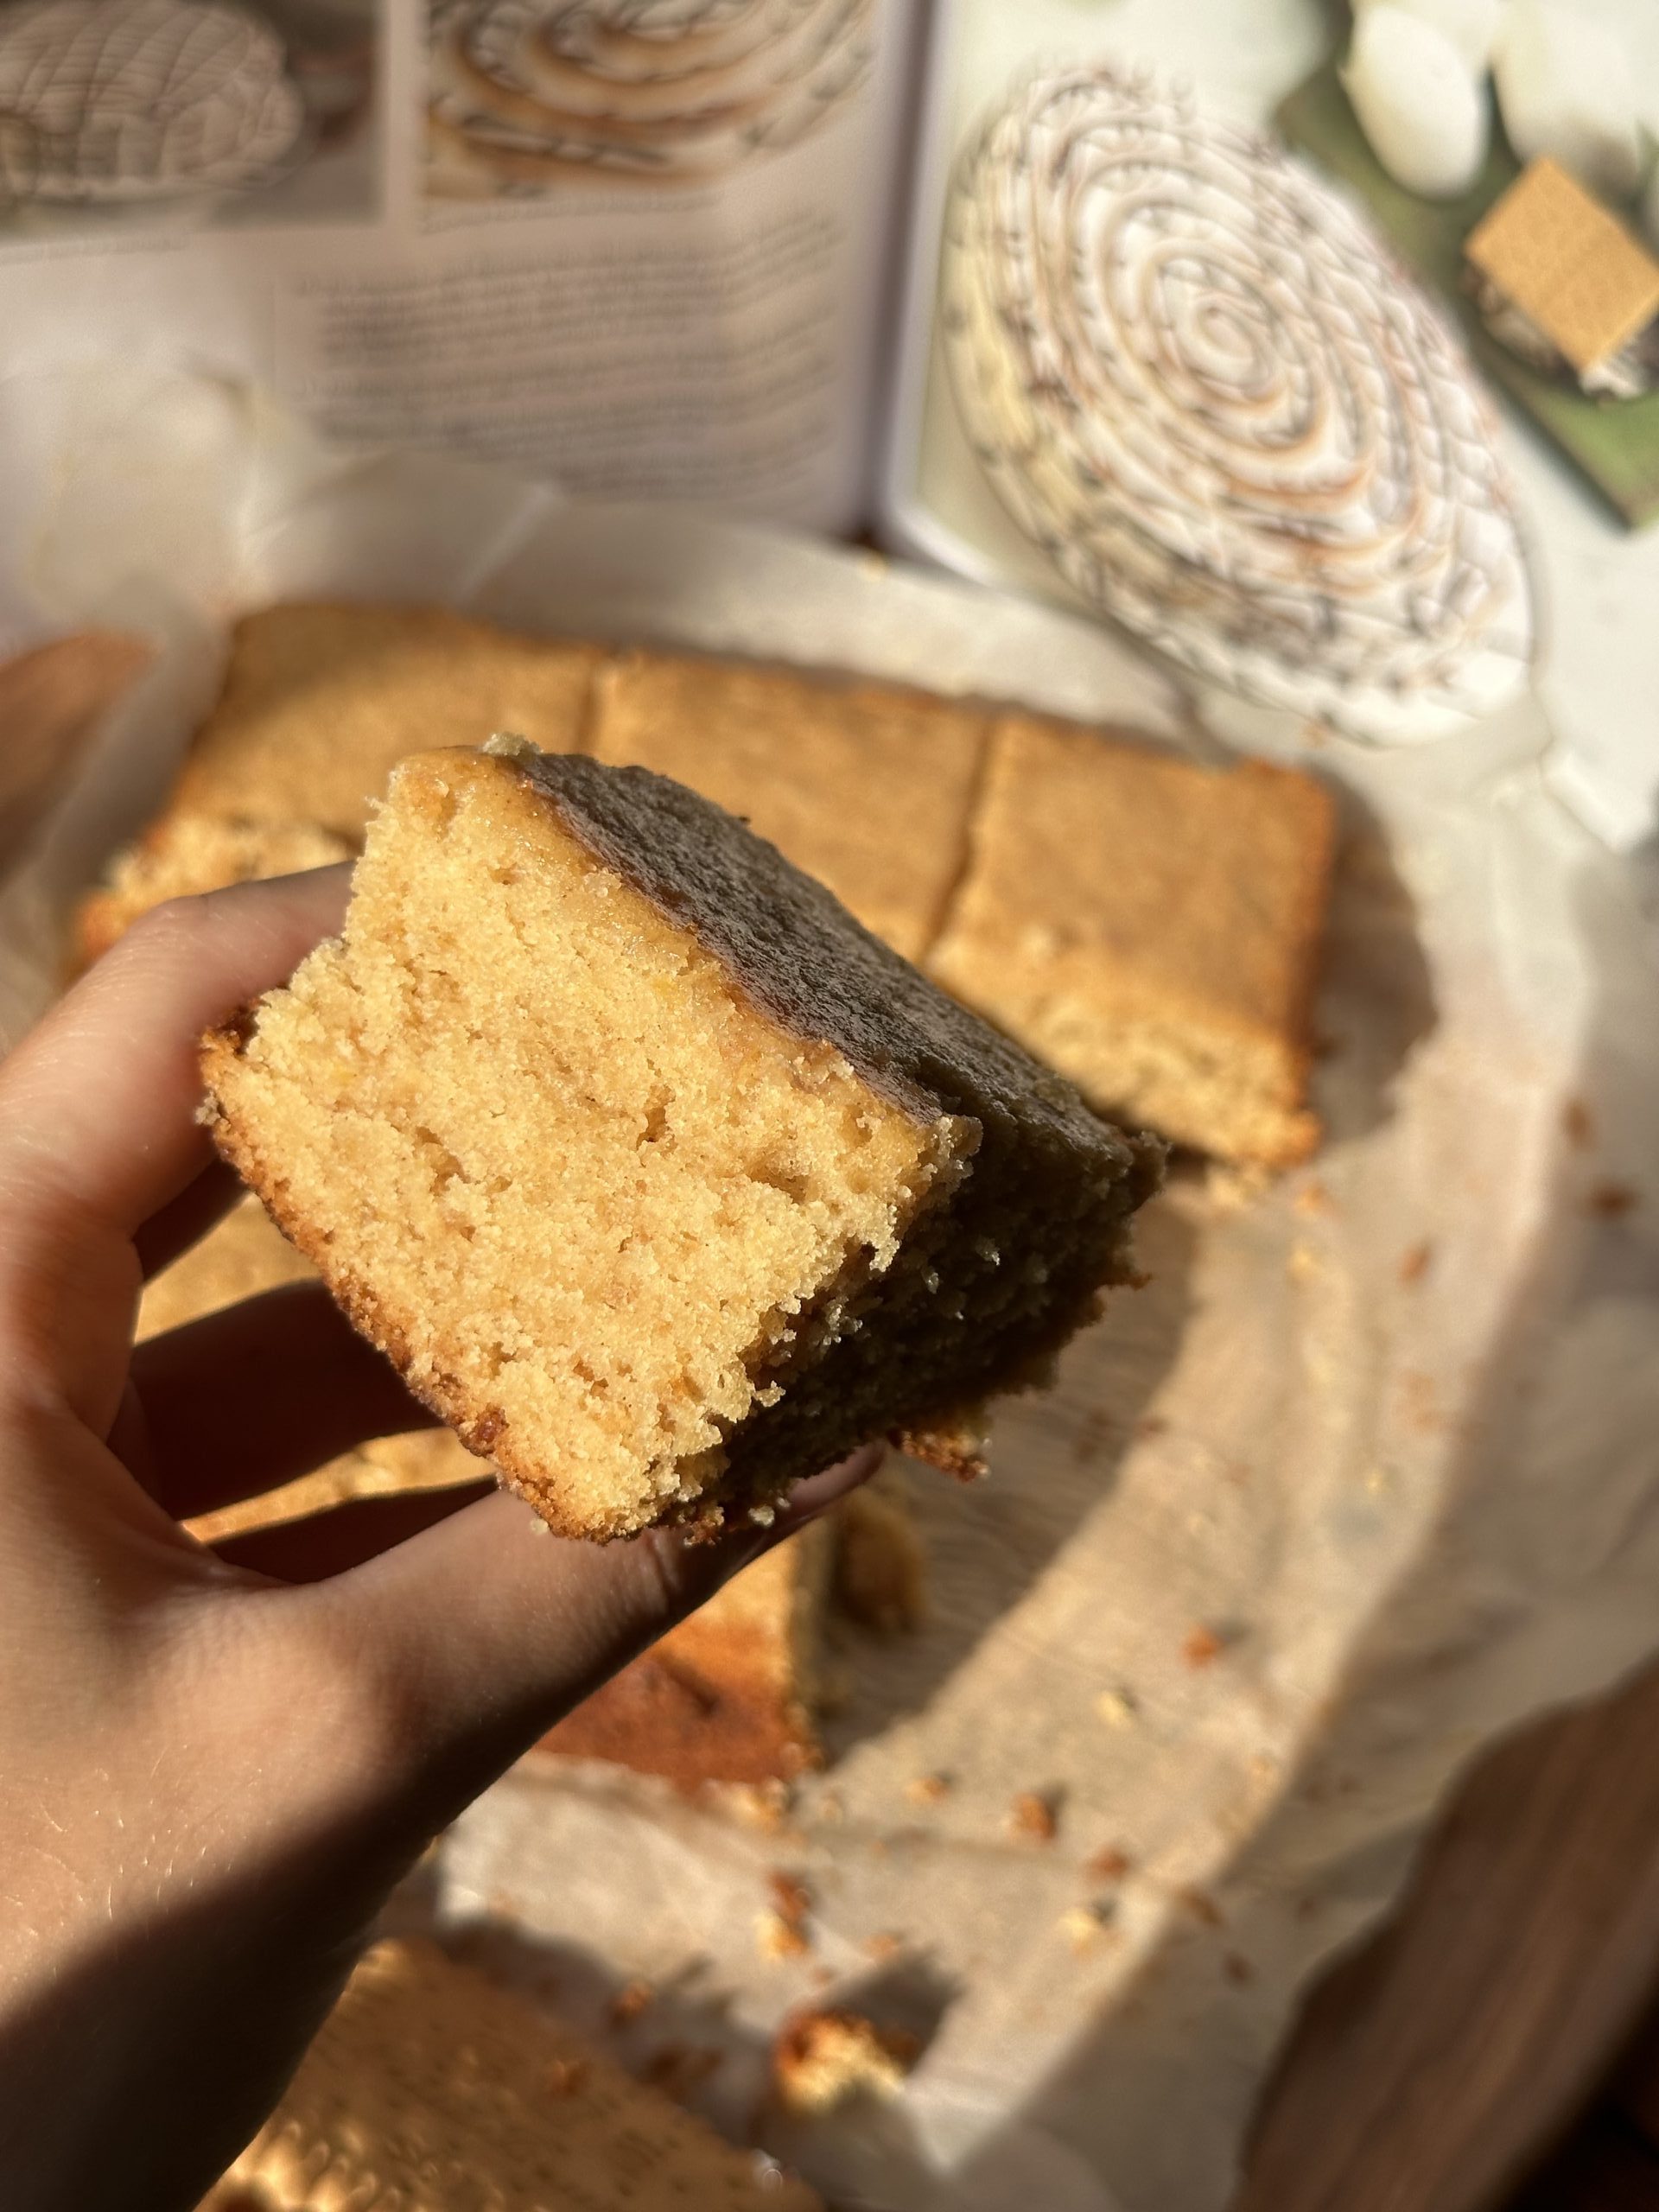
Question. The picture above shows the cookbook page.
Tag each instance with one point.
(638, 248)
(987, 475)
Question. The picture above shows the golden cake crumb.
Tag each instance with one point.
(1032, 1817)
(821, 2059)
(928, 1789)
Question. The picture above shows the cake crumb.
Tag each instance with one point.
(1108, 1865)
(1314, 1198)
(629, 2002)
(1201, 1647)
(1611, 1201)
(567, 2077)
(1304, 1264)
(928, 1789)
(1202, 1906)
(763, 1805)
(1579, 1124)
(1416, 1260)
(777, 1938)
(820, 2059)
(789, 1894)
(1117, 1708)
(1088, 1925)
(883, 1946)
(1033, 1818)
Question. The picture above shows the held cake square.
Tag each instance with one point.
(866, 786)
(429, 2090)
(321, 701)
(1151, 927)
(662, 1181)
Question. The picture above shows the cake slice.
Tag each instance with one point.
(866, 786)
(1151, 927)
(662, 1181)
(427, 2089)
(321, 701)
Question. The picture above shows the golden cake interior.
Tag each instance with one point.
(570, 1172)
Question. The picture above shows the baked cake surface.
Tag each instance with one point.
(866, 786)
(321, 701)
(184, 853)
(429, 2090)
(1151, 927)
(663, 1181)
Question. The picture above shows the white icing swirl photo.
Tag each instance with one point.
(1233, 423)
(135, 111)
(528, 95)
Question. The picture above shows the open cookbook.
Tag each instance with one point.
(502, 372)
(1037, 294)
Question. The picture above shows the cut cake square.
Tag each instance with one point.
(184, 853)
(320, 701)
(427, 2089)
(662, 1181)
(868, 787)
(1151, 927)
(730, 1695)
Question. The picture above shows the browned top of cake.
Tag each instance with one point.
(800, 956)
(867, 786)
(1191, 889)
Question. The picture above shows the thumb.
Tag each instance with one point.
(479, 1633)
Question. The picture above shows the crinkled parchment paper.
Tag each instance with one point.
(1365, 1473)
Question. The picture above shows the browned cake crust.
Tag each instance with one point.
(1005, 1264)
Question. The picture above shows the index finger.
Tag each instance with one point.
(98, 1104)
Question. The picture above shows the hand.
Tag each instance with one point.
(213, 1766)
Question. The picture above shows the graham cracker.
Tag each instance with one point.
(1553, 249)
(427, 2089)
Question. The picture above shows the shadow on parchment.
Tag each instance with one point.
(1058, 1453)
(1386, 2095)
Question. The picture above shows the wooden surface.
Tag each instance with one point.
(1438, 2068)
